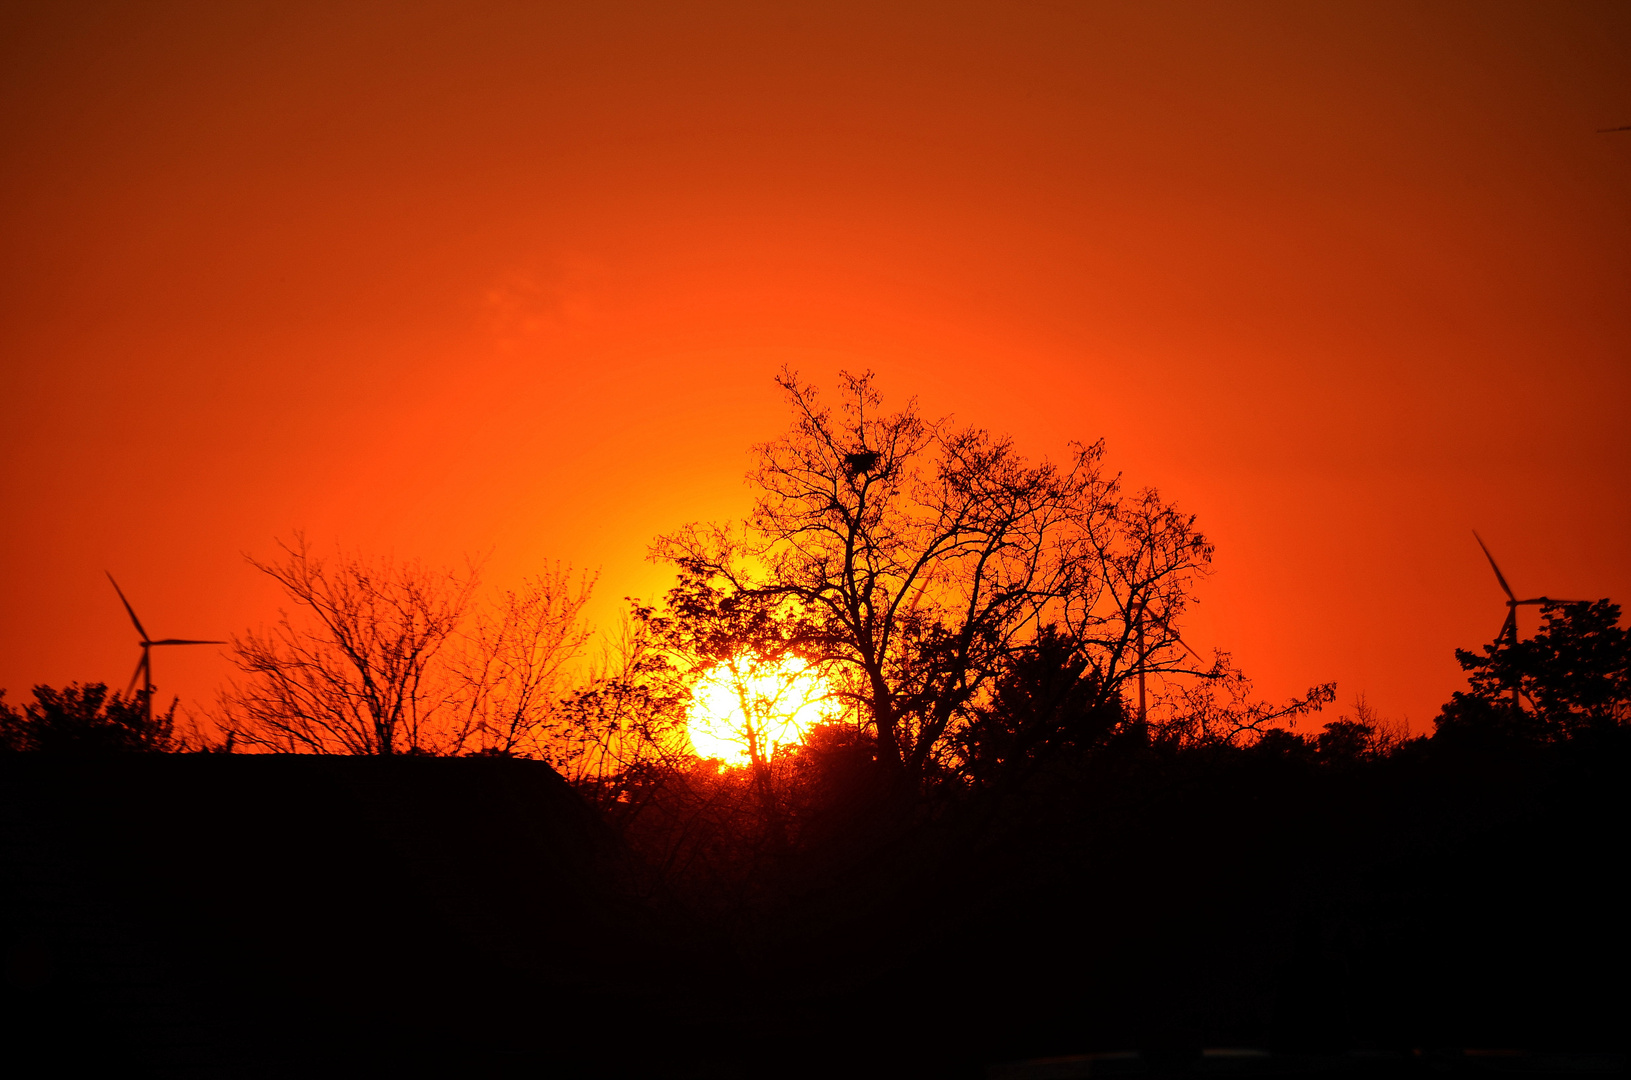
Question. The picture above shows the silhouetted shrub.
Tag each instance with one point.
(84, 719)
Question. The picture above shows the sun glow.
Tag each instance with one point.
(748, 703)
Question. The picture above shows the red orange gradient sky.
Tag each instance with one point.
(1346, 280)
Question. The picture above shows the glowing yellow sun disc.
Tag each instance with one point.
(749, 701)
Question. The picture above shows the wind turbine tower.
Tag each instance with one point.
(1144, 653)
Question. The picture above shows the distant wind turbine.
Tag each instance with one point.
(1509, 628)
(144, 666)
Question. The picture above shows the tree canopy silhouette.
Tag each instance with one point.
(85, 719)
(1575, 675)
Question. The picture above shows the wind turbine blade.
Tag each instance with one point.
(128, 608)
(1498, 577)
(1167, 628)
(136, 674)
(1510, 625)
(1198, 657)
(184, 641)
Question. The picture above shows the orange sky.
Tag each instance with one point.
(1347, 281)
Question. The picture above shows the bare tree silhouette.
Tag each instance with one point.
(387, 658)
(918, 557)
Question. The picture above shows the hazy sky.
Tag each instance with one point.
(1345, 280)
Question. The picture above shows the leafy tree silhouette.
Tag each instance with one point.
(1046, 700)
(84, 719)
(1365, 736)
(1575, 675)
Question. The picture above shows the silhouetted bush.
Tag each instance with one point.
(84, 719)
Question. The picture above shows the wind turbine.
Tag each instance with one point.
(1509, 628)
(144, 666)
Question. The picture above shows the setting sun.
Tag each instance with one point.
(748, 705)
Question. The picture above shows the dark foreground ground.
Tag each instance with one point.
(1452, 911)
